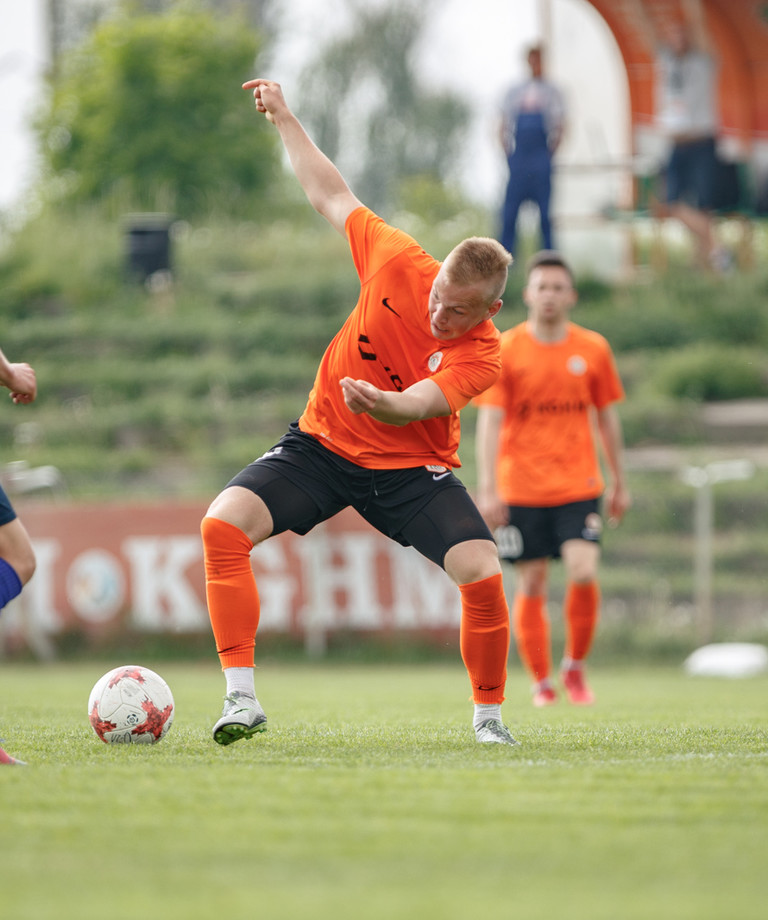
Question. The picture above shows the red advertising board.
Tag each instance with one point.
(140, 567)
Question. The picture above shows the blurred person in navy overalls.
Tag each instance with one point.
(533, 116)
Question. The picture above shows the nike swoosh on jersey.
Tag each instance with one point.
(386, 304)
(437, 476)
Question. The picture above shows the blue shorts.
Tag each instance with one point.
(692, 174)
(539, 533)
(7, 514)
(303, 483)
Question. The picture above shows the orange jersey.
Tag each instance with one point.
(387, 341)
(549, 392)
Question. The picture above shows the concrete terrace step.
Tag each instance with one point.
(733, 429)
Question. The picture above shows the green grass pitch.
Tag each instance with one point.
(369, 798)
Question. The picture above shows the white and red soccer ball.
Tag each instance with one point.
(131, 705)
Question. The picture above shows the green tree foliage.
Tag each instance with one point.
(148, 111)
(361, 99)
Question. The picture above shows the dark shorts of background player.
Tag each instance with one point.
(538, 533)
(7, 514)
(692, 173)
(303, 483)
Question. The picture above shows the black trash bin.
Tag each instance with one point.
(149, 244)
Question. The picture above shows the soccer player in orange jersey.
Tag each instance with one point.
(379, 433)
(539, 479)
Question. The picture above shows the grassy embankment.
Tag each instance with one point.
(166, 392)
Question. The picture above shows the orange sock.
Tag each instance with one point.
(582, 602)
(233, 599)
(532, 635)
(485, 638)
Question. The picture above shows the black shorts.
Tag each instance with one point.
(692, 173)
(7, 514)
(303, 483)
(538, 533)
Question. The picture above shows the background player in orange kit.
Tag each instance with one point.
(539, 477)
(379, 433)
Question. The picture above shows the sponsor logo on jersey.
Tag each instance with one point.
(550, 407)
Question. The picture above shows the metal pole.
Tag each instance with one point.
(702, 480)
(703, 522)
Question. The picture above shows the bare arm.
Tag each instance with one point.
(493, 509)
(501, 131)
(420, 401)
(693, 11)
(323, 184)
(617, 495)
(693, 15)
(644, 25)
(20, 380)
(557, 130)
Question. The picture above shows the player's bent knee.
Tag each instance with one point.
(244, 510)
(471, 561)
(21, 558)
(25, 569)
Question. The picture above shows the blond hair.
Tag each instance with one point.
(479, 260)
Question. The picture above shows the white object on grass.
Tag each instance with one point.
(728, 659)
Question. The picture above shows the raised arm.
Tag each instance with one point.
(694, 25)
(323, 184)
(644, 24)
(693, 10)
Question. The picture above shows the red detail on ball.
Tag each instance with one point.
(156, 719)
(134, 673)
(100, 726)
